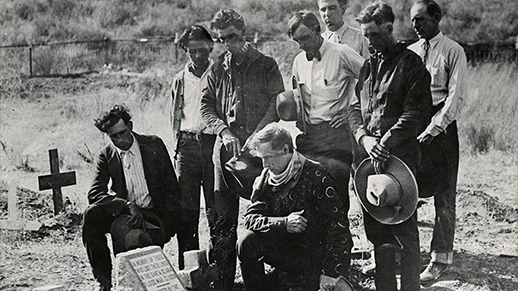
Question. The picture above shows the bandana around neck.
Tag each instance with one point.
(291, 171)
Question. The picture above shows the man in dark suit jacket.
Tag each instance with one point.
(143, 186)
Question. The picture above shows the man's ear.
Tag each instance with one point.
(344, 8)
(437, 16)
(285, 149)
(130, 125)
(390, 27)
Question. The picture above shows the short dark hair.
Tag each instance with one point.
(342, 3)
(110, 118)
(303, 17)
(225, 18)
(275, 135)
(193, 33)
(431, 7)
(378, 12)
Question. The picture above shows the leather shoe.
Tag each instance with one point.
(105, 286)
(432, 272)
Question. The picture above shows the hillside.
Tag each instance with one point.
(44, 21)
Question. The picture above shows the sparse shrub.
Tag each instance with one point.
(480, 138)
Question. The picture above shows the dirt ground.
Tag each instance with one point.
(486, 256)
(486, 248)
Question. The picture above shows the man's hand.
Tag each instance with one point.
(136, 220)
(247, 142)
(375, 150)
(296, 222)
(339, 120)
(425, 138)
(327, 283)
(231, 142)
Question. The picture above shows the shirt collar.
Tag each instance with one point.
(435, 40)
(391, 51)
(340, 32)
(131, 150)
(323, 48)
(187, 66)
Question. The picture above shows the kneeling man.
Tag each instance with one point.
(141, 207)
(296, 221)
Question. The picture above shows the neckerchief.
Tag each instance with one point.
(291, 171)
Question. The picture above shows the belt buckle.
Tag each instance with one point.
(197, 136)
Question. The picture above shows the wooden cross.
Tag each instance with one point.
(13, 222)
(56, 180)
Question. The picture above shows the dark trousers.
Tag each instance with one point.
(387, 239)
(224, 230)
(254, 249)
(403, 237)
(333, 148)
(194, 169)
(437, 175)
(97, 223)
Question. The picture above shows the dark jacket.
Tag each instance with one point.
(261, 82)
(160, 177)
(393, 101)
(314, 192)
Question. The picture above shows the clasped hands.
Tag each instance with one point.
(136, 220)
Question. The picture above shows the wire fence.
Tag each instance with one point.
(70, 58)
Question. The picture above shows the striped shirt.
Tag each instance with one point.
(350, 36)
(446, 62)
(136, 183)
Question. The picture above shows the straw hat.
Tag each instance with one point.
(389, 197)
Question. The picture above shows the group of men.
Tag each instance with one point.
(357, 94)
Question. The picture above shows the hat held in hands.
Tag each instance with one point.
(389, 197)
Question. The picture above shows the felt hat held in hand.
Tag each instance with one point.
(390, 197)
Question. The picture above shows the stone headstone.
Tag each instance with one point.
(198, 273)
(145, 269)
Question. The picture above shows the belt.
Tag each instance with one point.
(190, 135)
(318, 127)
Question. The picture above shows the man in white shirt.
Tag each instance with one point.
(193, 141)
(325, 74)
(332, 13)
(134, 178)
(437, 176)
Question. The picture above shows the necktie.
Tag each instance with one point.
(125, 159)
(424, 51)
(311, 55)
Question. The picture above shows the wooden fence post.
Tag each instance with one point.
(30, 60)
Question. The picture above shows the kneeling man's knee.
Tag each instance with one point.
(248, 246)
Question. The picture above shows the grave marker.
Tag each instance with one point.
(198, 273)
(13, 222)
(146, 269)
(56, 180)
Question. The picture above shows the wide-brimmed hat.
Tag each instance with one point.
(390, 197)
(125, 238)
(287, 106)
(240, 172)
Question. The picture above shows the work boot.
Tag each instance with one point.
(370, 269)
(432, 272)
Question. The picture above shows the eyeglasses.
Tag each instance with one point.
(229, 37)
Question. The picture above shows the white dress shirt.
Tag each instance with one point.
(328, 83)
(133, 168)
(446, 62)
(350, 36)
